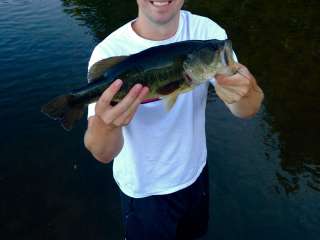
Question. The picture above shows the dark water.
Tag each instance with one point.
(265, 172)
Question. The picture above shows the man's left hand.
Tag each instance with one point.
(233, 88)
(240, 91)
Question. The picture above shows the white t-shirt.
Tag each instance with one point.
(163, 151)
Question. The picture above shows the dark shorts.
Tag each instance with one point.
(180, 215)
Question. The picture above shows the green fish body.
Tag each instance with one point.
(167, 70)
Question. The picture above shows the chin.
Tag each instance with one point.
(160, 14)
(162, 18)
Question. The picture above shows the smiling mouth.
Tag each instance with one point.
(160, 4)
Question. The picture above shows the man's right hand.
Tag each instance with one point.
(122, 113)
(103, 137)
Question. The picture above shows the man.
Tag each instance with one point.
(160, 157)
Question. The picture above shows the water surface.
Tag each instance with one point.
(265, 172)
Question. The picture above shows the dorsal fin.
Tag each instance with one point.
(100, 67)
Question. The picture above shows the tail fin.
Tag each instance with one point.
(60, 108)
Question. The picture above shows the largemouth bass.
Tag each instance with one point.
(168, 70)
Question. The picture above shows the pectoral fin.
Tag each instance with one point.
(170, 100)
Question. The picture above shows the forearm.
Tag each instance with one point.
(103, 143)
(249, 104)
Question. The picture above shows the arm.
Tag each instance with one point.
(103, 137)
(240, 92)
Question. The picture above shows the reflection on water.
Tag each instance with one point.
(101, 16)
(279, 41)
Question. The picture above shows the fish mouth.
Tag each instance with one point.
(227, 56)
(224, 58)
(161, 3)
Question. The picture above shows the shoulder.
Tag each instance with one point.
(202, 27)
(111, 45)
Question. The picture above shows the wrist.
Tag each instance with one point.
(249, 104)
(97, 139)
(96, 122)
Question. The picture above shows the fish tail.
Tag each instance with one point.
(62, 109)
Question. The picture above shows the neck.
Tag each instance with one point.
(155, 31)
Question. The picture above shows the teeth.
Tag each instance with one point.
(160, 4)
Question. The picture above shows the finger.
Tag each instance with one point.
(111, 91)
(108, 94)
(134, 106)
(227, 95)
(241, 70)
(244, 71)
(241, 91)
(111, 116)
(125, 103)
(234, 80)
(125, 118)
